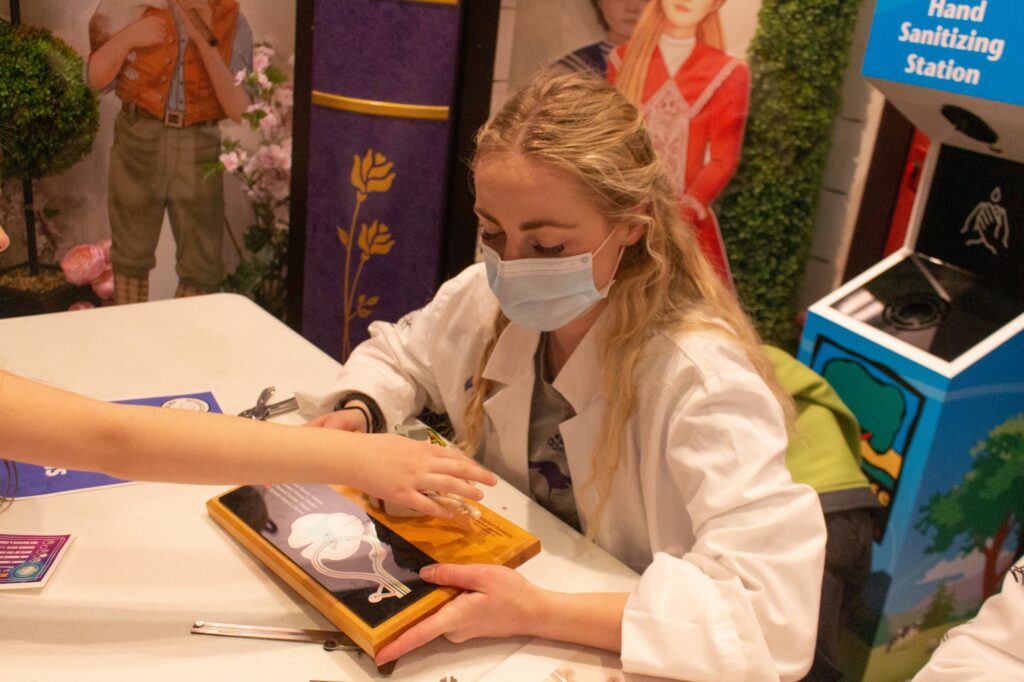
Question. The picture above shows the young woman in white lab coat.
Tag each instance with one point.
(596, 362)
(990, 646)
(43, 425)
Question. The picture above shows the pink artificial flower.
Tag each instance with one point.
(80, 305)
(103, 286)
(262, 52)
(229, 161)
(105, 245)
(284, 97)
(268, 123)
(240, 76)
(260, 60)
(83, 263)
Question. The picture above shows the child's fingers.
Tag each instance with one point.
(453, 486)
(427, 505)
(465, 469)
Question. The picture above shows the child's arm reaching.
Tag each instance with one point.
(47, 426)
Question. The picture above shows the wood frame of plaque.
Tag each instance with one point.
(355, 564)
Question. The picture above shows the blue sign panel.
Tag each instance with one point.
(971, 47)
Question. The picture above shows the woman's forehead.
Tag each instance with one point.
(513, 168)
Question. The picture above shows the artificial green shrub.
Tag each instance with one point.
(48, 115)
(797, 60)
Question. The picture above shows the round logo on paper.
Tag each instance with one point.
(191, 404)
(26, 571)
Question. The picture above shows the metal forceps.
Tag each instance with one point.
(261, 410)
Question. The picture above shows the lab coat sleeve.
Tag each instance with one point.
(396, 365)
(990, 647)
(741, 603)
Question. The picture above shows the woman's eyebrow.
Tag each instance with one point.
(528, 225)
(536, 224)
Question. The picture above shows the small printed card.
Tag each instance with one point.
(29, 560)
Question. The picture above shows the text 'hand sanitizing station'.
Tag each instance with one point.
(927, 346)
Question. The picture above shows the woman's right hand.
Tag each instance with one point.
(148, 31)
(342, 420)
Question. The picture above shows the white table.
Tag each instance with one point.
(147, 561)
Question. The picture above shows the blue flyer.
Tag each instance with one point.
(34, 481)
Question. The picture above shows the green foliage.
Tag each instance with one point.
(48, 114)
(797, 61)
(987, 498)
(941, 608)
(261, 276)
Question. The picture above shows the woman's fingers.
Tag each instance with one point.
(427, 630)
(471, 577)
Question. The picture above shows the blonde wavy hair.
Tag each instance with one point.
(637, 60)
(585, 126)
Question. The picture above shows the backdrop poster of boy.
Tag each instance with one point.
(186, 92)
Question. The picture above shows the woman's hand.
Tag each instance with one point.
(402, 470)
(498, 602)
(342, 420)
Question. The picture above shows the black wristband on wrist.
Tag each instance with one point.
(362, 410)
(375, 419)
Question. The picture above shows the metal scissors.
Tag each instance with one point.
(261, 410)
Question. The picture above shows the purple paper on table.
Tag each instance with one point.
(28, 560)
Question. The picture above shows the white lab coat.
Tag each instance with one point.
(989, 647)
(731, 551)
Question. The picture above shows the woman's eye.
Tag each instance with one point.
(548, 250)
(490, 236)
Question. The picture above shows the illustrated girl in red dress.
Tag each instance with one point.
(694, 97)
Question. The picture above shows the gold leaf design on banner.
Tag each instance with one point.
(371, 173)
(375, 240)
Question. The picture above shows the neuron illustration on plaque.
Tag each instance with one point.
(338, 536)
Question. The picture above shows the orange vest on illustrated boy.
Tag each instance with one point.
(146, 80)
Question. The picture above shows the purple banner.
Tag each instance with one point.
(377, 181)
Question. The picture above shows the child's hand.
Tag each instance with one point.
(148, 31)
(403, 471)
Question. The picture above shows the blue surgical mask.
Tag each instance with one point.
(544, 293)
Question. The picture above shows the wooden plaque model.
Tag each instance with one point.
(355, 564)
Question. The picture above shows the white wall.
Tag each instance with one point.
(81, 192)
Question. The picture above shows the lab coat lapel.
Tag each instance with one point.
(580, 383)
(511, 368)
